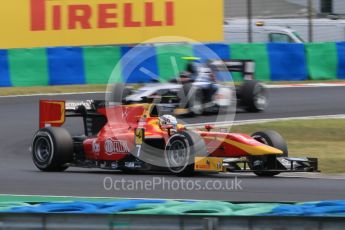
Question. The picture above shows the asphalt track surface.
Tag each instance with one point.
(19, 121)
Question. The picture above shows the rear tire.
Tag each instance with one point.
(181, 150)
(273, 139)
(254, 96)
(52, 149)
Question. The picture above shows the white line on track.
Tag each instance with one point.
(314, 176)
(308, 85)
(274, 86)
(259, 121)
(301, 175)
(50, 94)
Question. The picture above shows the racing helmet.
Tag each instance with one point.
(168, 120)
(192, 67)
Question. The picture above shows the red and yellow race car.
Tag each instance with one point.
(135, 137)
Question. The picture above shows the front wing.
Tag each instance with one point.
(242, 165)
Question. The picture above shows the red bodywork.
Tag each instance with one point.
(116, 139)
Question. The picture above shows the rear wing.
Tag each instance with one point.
(54, 113)
(246, 67)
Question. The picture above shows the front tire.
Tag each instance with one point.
(273, 139)
(195, 103)
(181, 150)
(254, 96)
(52, 149)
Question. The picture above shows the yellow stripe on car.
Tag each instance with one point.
(252, 150)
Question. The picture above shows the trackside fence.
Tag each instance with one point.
(94, 65)
(151, 222)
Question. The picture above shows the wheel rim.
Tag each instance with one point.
(260, 98)
(177, 156)
(197, 105)
(42, 149)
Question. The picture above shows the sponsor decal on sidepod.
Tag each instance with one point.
(115, 146)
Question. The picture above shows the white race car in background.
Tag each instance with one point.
(194, 98)
(168, 97)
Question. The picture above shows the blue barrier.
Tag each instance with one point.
(4, 69)
(325, 208)
(212, 51)
(83, 207)
(66, 66)
(139, 65)
(287, 62)
(341, 60)
(163, 207)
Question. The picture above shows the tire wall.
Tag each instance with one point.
(94, 65)
(77, 205)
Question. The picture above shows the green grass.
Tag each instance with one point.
(323, 139)
(6, 91)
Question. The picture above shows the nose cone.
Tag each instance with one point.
(251, 146)
(263, 150)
